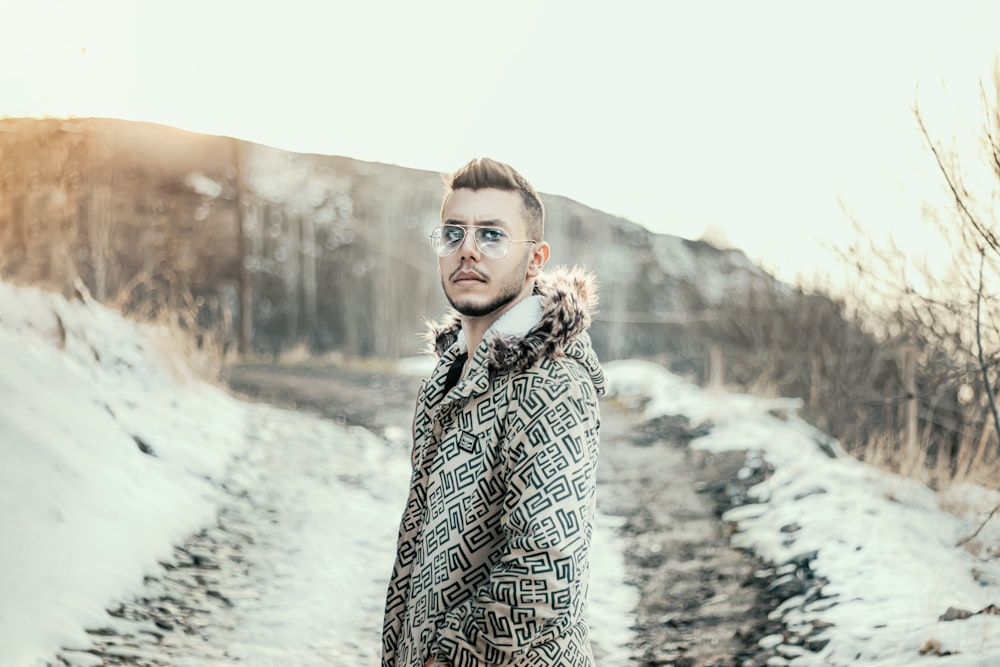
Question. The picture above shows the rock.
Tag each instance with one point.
(954, 614)
(143, 446)
(815, 645)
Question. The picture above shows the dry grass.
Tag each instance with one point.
(301, 354)
(888, 452)
(763, 388)
(189, 350)
(976, 462)
(295, 355)
(376, 364)
(187, 355)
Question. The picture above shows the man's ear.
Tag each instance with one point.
(539, 255)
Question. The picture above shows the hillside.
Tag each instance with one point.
(334, 250)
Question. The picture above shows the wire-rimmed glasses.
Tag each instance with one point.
(493, 242)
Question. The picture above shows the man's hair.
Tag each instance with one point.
(482, 173)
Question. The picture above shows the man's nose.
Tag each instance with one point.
(469, 247)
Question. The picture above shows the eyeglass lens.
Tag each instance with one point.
(491, 241)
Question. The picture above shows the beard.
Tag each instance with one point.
(475, 310)
(510, 289)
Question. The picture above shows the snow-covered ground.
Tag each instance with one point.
(885, 546)
(110, 455)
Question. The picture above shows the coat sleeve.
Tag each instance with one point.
(536, 590)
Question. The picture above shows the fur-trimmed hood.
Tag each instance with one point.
(551, 323)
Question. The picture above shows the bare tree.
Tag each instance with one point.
(944, 314)
(245, 299)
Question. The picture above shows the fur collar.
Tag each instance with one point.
(543, 325)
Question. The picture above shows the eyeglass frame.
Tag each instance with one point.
(438, 233)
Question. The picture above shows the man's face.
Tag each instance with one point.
(477, 286)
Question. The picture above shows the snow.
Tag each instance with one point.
(885, 546)
(87, 515)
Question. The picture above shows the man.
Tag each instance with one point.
(492, 558)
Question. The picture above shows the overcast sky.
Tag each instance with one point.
(752, 119)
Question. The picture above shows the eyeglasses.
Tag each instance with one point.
(491, 241)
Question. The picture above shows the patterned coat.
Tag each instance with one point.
(492, 559)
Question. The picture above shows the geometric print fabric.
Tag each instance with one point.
(492, 564)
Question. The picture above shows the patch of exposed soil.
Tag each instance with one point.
(354, 394)
(702, 603)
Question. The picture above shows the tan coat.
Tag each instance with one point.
(492, 559)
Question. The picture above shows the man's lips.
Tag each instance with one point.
(467, 276)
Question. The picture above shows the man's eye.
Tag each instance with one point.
(490, 235)
(452, 234)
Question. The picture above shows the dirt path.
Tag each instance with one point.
(223, 598)
(358, 395)
(700, 601)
